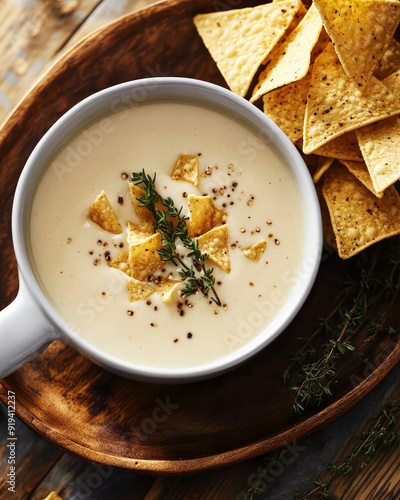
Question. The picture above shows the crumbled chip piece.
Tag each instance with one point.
(360, 170)
(286, 106)
(102, 214)
(390, 61)
(186, 169)
(359, 218)
(53, 496)
(138, 290)
(166, 289)
(144, 259)
(290, 60)
(344, 147)
(121, 262)
(215, 243)
(142, 212)
(255, 252)
(239, 40)
(137, 234)
(361, 31)
(335, 105)
(203, 215)
(322, 167)
(380, 147)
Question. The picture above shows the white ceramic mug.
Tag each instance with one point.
(31, 323)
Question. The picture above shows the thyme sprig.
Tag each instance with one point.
(355, 311)
(172, 225)
(380, 434)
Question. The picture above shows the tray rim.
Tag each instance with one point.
(178, 466)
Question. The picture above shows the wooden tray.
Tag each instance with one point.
(106, 419)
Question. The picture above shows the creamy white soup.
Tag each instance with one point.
(244, 175)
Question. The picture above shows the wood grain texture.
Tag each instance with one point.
(107, 419)
(31, 33)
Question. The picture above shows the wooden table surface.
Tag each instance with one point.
(32, 34)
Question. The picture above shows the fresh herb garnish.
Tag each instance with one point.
(172, 225)
(368, 285)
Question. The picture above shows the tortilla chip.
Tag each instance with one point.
(287, 106)
(255, 252)
(186, 169)
(121, 263)
(380, 146)
(138, 290)
(144, 259)
(166, 290)
(392, 83)
(361, 31)
(335, 105)
(137, 234)
(239, 40)
(328, 234)
(360, 170)
(320, 46)
(215, 243)
(344, 147)
(203, 215)
(53, 496)
(290, 61)
(390, 61)
(142, 212)
(322, 167)
(359, 219)
(102, 214)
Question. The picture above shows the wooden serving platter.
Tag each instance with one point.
(110, 420)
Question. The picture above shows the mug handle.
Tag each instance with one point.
(24, 331)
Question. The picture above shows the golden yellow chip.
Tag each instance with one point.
(380, 146)
(166, 289)
(390, 61)
(255, 252)
(335, 105)
(137, 234)
(144, 259)
(239, 40)
(322, 166)
(186, 169)
(320, 46)
(53, 496)
(344, 147)
(392, 83)
(215, 243)
(142, 212)
(361, 31)
(203, 215)
(138, 290)
(290, 60)
(360, 170)
(359, 218)
(328, 234)
(102, 214)
(286, 106)
(121, 263)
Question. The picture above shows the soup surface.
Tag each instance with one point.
(246, 178)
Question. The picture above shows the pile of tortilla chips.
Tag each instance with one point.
(329, 76)
(143, 263)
